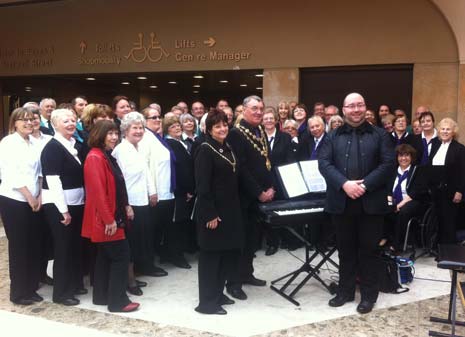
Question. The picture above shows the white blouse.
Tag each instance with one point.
(440, 156)
(159, 162)
(19, 167)
(138, 179)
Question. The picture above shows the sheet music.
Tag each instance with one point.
(292, 180)
(313, 178)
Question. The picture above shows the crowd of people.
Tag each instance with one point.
(102, 190)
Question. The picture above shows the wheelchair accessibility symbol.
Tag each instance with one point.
(154, 52)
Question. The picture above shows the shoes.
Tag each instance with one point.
(217, 311)
(80, 291)
(225, 300)
(253, 281)
(141, 284)
(365, 307)
(36, 297)
(69, 301)
(24, 301)
(271, 250)
(155, 272)
(133, 306)
(180, 262)
(47, 280)
(339, 300)
(135, 291)
(237, 293)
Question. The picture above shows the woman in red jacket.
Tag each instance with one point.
(106, 214)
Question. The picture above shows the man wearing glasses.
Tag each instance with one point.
(355, 161)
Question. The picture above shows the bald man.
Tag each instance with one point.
(355, 161)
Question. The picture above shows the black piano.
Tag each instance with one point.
(297, 216)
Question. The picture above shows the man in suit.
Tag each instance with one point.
(312, 139)
(249, 143)
(47, 105)
(355, 160)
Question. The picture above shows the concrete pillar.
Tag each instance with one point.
(461, 103)
(280, 85)
(435, 85)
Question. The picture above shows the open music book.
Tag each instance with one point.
(301, 178)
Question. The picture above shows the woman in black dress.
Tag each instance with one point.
(218, 214)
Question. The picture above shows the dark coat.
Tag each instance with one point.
(416, 188)
(408, 139)
(184, 166)
(376, 166)
(255, 177)
(417, 143)
(281, 154)
(453, 179)
(217, 196)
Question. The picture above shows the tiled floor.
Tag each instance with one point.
(167, 308)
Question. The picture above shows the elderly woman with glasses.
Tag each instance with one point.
(20, 200)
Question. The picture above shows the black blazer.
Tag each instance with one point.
(452, 179)
(307, 144)
(416, 189)
(404, 140)
(281, 153)
(417, 143)
(46, 131)
(184, 168)
(217, 196)
(255, 177)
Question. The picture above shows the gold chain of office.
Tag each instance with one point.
(253, 140)
(232, 163)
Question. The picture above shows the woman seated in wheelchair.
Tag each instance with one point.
(408, 198)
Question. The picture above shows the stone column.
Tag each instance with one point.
(280, 84)
(461, 103)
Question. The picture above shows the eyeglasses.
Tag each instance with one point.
(25, 120)
(154, 118)
(353, 106)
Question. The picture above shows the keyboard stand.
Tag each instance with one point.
(305, 268)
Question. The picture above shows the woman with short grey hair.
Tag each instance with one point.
(141, 192)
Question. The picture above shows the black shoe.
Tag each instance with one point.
(24, 301)
(365, 307)
(36, 297)
(253, 281)
(155, 272)
(80, 291)
(225, 300)
(218, 311)
(340, 300)
(69, 301)
(237, 293)
(271, 250)
(135, 291)
(181, 263)
(141, 284)
(47, 280)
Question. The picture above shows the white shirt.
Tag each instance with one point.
(435, 134)
(133, 164)
(55, 194)
(41, 141)
(159, 162)
(403, 185)
(440, 156)
(19, 167)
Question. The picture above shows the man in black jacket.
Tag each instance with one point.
(249, 142)
(355, 161)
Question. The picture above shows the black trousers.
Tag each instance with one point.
(22, 231)
(447, 215)
(244, 267)
(46, 244)
(214, 269)
(67, 269)
(111, 275)
(162, 214)
(140, 243)
(357, 237)
(411, 209)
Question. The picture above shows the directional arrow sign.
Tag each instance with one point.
(210, 42)
(83, 47)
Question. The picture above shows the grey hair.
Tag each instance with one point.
(291, 122)
(131, 118)
(249, 98)
(43, 100)
(202, 123)
(58, 114)
(31, 105)
(316, 119)
(32, 108)
(155, 106)
(332, 107)
(186, 117)
(335, 118)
